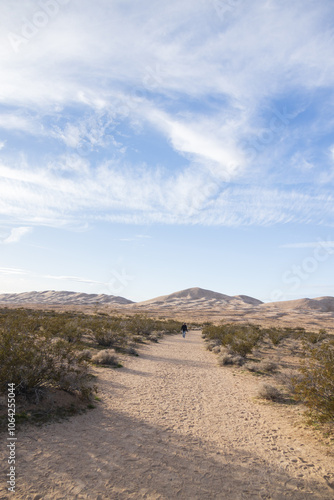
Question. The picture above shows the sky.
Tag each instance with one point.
(148, 147)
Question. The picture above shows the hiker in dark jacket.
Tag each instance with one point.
(184, 329)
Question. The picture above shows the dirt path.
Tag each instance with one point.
(173, 425)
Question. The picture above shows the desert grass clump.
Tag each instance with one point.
(269, 392)
(216, 349)
(212, 344)
(268, 366)
(263, 367)
(315, 384)
(131, 350)
(230, 359)
(106, 357)
(85, 354)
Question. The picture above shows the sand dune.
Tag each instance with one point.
(199, 295)
(53, 297)
(325, 304)
(193, 304)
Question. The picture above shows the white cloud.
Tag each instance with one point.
(16, 234)
(80, 72)
(11, 270)
(128, 194)
(311, 244)
(205, 142)
(75, 279)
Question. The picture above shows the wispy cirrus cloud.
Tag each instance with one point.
(203, 83)
(16, 234)
(12, 270)
(310, 244)
(110, 192)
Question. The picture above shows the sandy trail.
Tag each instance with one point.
(173, 425)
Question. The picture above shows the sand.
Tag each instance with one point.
(172, 424)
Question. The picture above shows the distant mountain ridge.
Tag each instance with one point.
(324, 304)
(184, 300)
(64, 298)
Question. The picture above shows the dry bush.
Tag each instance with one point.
(131, 350)
(315, 384)
(240, 338)
(230, 359)
(315, 337)
(289, 379)
(268, 366)
(269, 392)
(106, 357)
(211, 344)
(262, 367)
(85, 354)
(32, 360)
(252, 367)
(276, 335)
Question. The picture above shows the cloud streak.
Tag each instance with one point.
(199, 80)
(16, 234)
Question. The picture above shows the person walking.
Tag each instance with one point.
(184, 329)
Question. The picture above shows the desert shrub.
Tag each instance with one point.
(268, 366)
(239, 338)
(252, 367)
(315, 385)
(71, 331)
(315, 337)
(131, 350)
(169, 326)
(85, 354)
(32, 360)
(140, 324)
(106, 331)
(105, 357)
(212, 344)
(230, 359)
(262, 367)
(276, 335)
(289, 379)
(105, 337)
(62, 325)
(267, 391)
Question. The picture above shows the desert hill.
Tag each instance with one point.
(199, 297)
(325, 304)
(64, 298)
(192, 304)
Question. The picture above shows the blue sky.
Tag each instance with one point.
(147, 147)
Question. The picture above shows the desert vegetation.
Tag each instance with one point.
(293, 365)
(49, 355)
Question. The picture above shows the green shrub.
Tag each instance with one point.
(33, 360)
(276, 335)
(315, 385)
(315, 337)
(240, 339)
